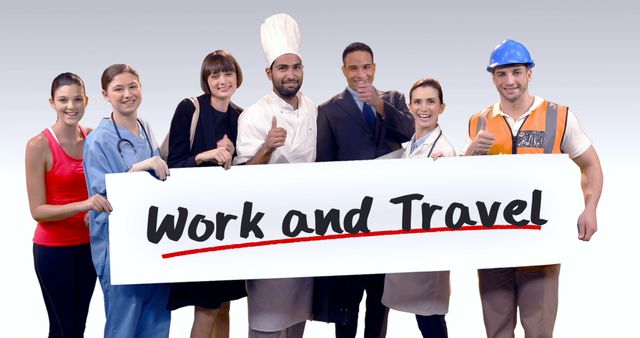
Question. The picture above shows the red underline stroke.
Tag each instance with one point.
(342, 236)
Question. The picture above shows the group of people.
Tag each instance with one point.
(66, 166)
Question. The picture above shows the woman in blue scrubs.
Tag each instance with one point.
(123, 143)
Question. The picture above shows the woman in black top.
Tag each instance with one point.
(213, 145)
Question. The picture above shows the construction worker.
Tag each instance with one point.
(520, 123)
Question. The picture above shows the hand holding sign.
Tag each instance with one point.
(276, 135)
(219, 156)
(587, 224)
(157, 164)
(436, 155)
(226, 143)
(98, 203)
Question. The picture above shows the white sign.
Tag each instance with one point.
(356, 217)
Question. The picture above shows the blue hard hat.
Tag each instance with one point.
(509, 52)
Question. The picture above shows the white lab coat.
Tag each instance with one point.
(422, 293)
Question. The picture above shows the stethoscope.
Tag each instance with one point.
(124, 141)
(433, 145)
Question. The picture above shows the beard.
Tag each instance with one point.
(287, 92)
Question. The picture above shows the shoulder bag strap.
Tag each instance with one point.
(194, 120)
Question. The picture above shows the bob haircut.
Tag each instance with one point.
(216, 62)
(114, 70)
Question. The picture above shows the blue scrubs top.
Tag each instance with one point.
(101, 156)
(131, 310)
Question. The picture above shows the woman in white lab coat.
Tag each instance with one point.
(426, 294)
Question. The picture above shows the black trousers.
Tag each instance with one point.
(433, 326)
(375, 321)
(67, 279)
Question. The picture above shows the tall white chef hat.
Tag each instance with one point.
(279, 35)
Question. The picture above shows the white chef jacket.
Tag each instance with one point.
(276, 304)
(255, 122)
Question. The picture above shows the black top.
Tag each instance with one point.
(212, 126)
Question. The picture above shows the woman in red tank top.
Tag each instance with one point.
(58, 201)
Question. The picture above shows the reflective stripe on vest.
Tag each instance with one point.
(540, 133)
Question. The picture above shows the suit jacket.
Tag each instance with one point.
(206, 136)
(343, 133)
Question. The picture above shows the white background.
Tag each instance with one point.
(586, 55)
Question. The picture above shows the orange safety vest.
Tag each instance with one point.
(541, 133)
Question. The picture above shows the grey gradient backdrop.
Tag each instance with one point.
(586, 54)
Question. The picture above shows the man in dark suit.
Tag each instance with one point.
(361, 123)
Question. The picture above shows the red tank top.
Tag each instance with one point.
(64, 184)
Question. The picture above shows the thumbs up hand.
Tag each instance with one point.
(484, 123)
(483, 141)
(276, 135)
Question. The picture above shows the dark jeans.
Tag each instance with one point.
(433, 326)
(375, 321)
(67, 279)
